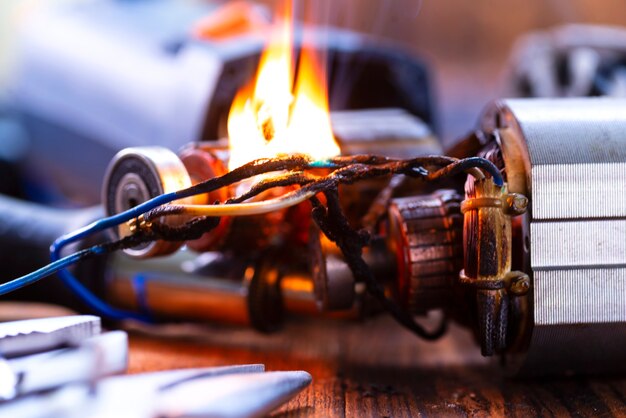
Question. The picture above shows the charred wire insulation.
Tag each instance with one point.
(332, 221)
(347, 169)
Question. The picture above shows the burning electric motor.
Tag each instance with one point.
(534, 265)
(540, 280)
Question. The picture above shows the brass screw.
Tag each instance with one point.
(139, 223)
(520, 285)
(516, 204)
(132, 225)
(143, 223)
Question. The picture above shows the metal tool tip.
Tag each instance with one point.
(274, 389)
(241, 395)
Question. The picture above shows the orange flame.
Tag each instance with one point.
(267, 118)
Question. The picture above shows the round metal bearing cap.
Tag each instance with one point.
(136, 175)
(425, 234)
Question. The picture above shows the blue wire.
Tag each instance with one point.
(97, 304)
(323, 164)
(139, 284)
(111, 221)
(93, 301)
(51, 268)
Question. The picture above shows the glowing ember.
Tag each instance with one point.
(267, 119)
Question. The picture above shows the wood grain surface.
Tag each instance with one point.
(377, 369)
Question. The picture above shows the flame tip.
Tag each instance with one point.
(270, 116)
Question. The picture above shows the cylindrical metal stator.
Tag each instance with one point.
(569, 157)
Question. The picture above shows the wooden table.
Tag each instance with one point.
(377, 369)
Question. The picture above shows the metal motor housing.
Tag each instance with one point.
(569, 157)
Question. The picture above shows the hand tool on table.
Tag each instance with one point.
(62, 367)
(47, 353)
(96, 357)
(37, 335)
(230, 391)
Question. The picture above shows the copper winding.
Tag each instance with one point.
(487, 231)
(425, 235)
(487, 240)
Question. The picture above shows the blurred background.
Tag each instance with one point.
(466, 44)
(466, 48)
